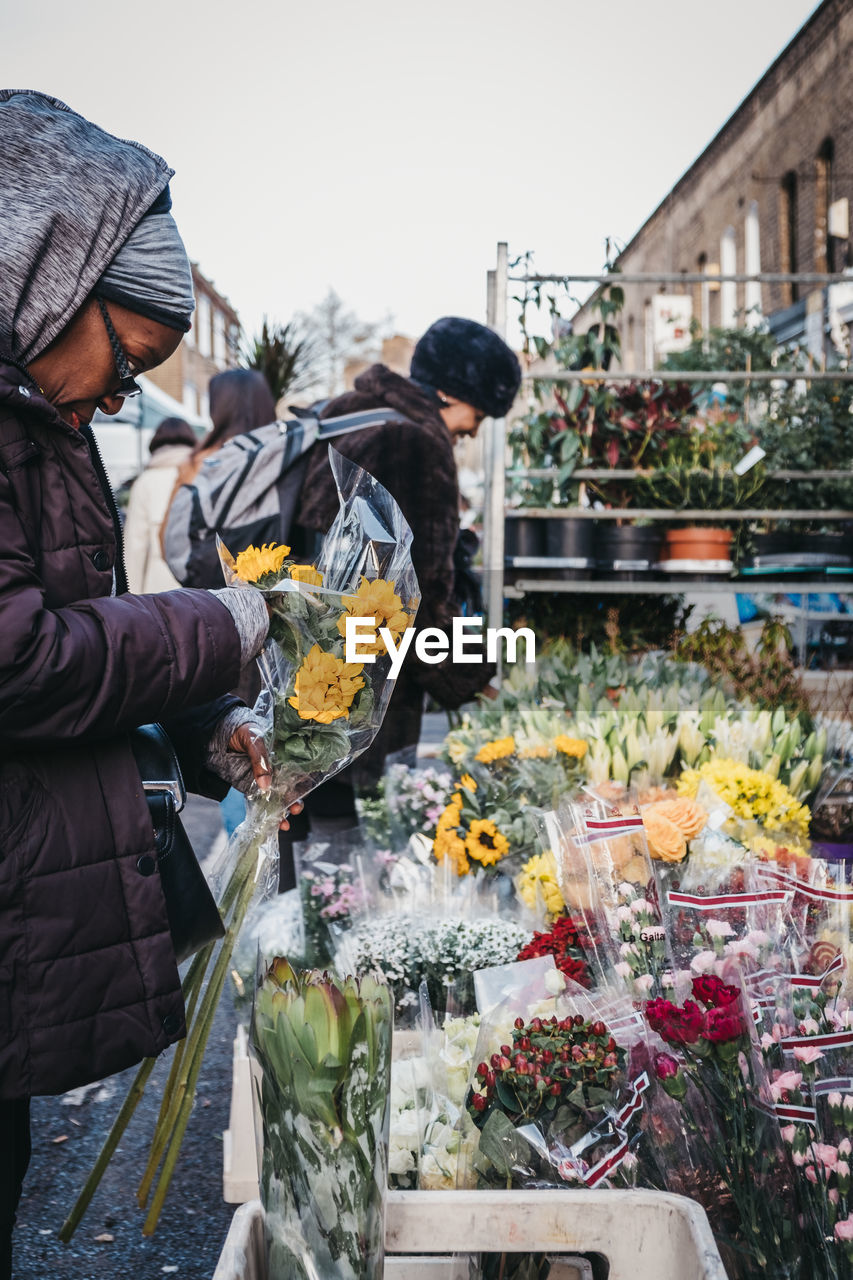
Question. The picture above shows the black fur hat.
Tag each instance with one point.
(470, 362)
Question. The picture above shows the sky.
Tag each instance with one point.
(384, 148)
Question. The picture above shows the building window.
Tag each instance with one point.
(703, 310)
(788, 234)
(189, 398)
(203, 325)
(752, 252)
(220, 353)
(728, 288)
(823, 255)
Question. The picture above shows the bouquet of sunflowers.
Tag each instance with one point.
(319, 713)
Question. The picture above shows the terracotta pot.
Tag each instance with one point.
(698, 543)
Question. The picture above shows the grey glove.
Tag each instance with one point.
(232, 766)
(249, 612)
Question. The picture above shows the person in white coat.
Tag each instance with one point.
(150, 494)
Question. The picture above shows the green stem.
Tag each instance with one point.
(120, 1123)
(192, 989)
(189, 987)
(183, 1099)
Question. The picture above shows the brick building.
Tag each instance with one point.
(209, 347)
(772, 193)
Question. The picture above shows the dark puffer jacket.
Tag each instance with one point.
(88, 981)
(414, 461)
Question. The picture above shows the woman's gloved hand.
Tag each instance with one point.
(238, 754)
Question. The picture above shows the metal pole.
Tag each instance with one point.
(495, 462)
(694, 375)
(691, 277)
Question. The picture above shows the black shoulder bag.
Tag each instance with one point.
(194, 919)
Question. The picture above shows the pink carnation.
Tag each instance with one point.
(844, 1229)
(808, 1054)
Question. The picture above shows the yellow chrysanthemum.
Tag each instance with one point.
(574, 747)
(377, 600)
(497, 750)
(538, 880)
(325, 686)
(308, 574)
(468, 783)
(539, 752)
(255, 562)
(448, 843)
(750, 793)
(485, 844)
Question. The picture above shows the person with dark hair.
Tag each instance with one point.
(240, 400)
(461, 373)
(95, 288)
(170, 447)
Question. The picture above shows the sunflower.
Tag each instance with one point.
(485, 844)
(379, 601)
(497, 750)
(448, 843)
(574, 747)
(255, 562)
(306, 573)
(325, 686)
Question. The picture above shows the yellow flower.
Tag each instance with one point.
(448, 843)
(325, 686)
(574, 747)
(306, 573)
(377, 600)
(750, 793)
(538, 879)
(497, 750)
(468, 782)
(254, 562)
(485, 843)
(538, 752)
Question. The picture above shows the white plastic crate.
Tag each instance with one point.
(644, 1235)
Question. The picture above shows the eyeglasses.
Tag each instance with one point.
(128, 387)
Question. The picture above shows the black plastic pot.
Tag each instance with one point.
(571, 539)
(628, 552)
(789, 549)
(524, 536)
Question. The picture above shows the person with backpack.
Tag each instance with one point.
(461, 372)
(95, 288)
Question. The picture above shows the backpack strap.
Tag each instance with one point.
(348, 422)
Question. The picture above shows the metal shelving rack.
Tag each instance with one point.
(494, 511)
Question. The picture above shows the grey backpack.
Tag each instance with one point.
(247, 492)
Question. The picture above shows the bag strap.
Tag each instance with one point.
(348, 422)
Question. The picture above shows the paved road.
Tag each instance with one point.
(193, 1226)
(195, 1220)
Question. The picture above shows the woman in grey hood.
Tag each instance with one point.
(95, 287)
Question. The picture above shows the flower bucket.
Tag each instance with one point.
(698, 543)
